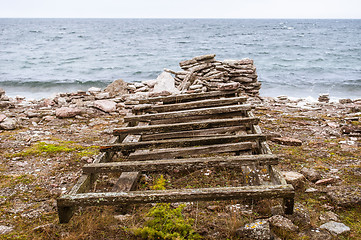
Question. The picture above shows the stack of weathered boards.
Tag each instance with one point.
(191, 132)
(204, 73)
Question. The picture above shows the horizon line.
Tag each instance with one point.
(256, 18)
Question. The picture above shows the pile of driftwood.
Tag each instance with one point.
(204, 74)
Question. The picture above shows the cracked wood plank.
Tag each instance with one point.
(188, 163)
(188, 126)
(182, 142)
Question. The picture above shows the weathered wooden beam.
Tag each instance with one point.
(193, 133)
(187, 126)
(188, 113)
(182, 142)
(176, 195)
(190, 97)
(190, 105)
(126, 182)
(191, 151)
(187, 163)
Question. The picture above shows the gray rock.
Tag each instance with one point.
(8, 124)
(105, 105)
(103, 95)
(281, 224)
(67, 112)
(345, 196)
(311, 174)
(301, 216)
(259, 230)
(5, 229)
(296, 179)
(118, 87)
(150, 83)
(165, 82)
(335, 227)
(316, 234)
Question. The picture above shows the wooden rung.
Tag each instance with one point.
(183, 142)
(213, 123)
(191, 151)
(193, 133)
(189, 97)
(187, 163)
(176, 195)
(188, 113)
(189, 105)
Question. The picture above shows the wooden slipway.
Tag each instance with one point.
(183, 132)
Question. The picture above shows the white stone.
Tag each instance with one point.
(165, 82)
(132, 87)
(296, 179)
(8, 124)
(102, 95)
(194, 87)
(94, 90)
(150, 83)
(105, 105)
(138, 85)
(335, 227)
(5, 229)
(2, 117)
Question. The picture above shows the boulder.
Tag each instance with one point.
(335, 228)
(282, 224)
(345, 196)
(311, 174)
(116, 88)
(8, 124)
(259, 230)
(67, 112)
(165, 82)
(296, 179)
(105, 105)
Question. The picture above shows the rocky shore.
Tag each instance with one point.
(44, 143)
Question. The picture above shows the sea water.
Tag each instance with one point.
(298, 58)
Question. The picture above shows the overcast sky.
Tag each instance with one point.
(181, 8)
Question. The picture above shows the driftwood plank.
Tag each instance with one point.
(176, 195)
(188, 163)
(192, 151)
(187, 113)
(214, 123)
(189, 105)
(189, 97)
(182, 142)
(193, 133)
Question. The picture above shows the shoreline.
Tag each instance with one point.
(328, 160)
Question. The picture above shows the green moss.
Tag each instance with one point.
(352, 218)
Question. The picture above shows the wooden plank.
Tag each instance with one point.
(189, 105)
(126, 182)
(187, 113)
(193, 133)
(176, 195)
(192, 151)
(190, 97)
(182, 142)
(187, 163)
(213, 123)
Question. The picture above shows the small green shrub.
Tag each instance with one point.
(166, 222)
